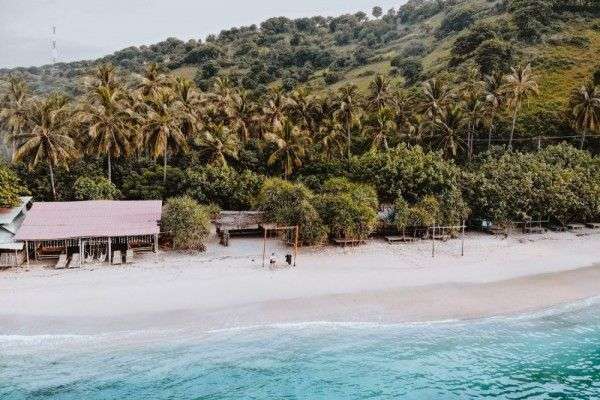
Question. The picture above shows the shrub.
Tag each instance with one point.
(348, 209)
(95, 188)
(10, 187)
(290, 203)
(186, 223)
(414, 48)
(425, 213)
(223, 186)
(148, 183)
(410, 68)
(455, 21)
(494, 56)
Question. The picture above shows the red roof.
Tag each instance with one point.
(97, 218)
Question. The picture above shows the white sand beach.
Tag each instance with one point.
(377, 282)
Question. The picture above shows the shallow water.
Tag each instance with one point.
(553, 354)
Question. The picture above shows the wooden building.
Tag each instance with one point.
(11, 250)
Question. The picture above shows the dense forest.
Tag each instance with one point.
(447, 110)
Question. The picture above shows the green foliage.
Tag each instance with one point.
(532, 18)
(226, 187)
(493, 56)
(456, 20)
(147, 184)
(95, 188)
(186, 222)
(410, 68)
(348, 209)
(410, 171)
(288, 203)
(401, 213)
(10, 188)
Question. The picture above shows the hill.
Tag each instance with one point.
(420, 39)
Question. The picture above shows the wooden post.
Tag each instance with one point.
(264, 246)
(34, 251)
(155, 243)
(433, 241)
(296, 244)
(110, 250)
(462, 240)
(80, 253)
(27, 252)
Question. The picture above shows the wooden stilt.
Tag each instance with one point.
(264, 247)
(27, 252)
(110, 250)
(462, 240)
(296, 244)
(156, 243)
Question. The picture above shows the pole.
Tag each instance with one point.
(296, 245)
(264, 246)
(462, 241)
(80, 253)
(109, 250)
(27, 252)
(433, 242)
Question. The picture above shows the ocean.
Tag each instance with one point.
(554, 354)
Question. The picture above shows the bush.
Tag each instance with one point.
(224, 186)
(348, 209)
(10, 187)
(148, 183)
(455, 21)
(289, 203)
(414, 48)
(425, 213)
(186, 223)
(494, 56)
(95, 188)
(410, 68)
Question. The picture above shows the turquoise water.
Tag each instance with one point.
(551, 355)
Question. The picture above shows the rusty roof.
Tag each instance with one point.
(96, 218)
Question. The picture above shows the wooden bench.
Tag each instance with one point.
(62, 262)
(346, 242)
(400, 239)
(593, 225)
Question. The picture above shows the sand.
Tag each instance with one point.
(376, 282)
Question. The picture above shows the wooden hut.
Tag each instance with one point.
(90, 229)
(11, 251)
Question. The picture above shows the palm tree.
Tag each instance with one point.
(162, 126)
(290, 146)
(330, 138)
(346, 111)
(105, 75)
(450, 124)
(584, 106)
(380, 126)
(473, 106)
(305, 108)
(493, 100)
(242, 114)
(274, 108)
(152, 80)
(218, 144)
(46, 135)
(519, 85)
(13, 109)
(436, 96)
(108, 122)
(189, 98)
(379, 92)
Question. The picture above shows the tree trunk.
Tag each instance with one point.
(52, 180)
(165, 166)
(491, 129)
(583, 132)
(109, 169)
(512, 130)
(349, 142)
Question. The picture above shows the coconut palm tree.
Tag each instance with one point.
(108, 122)
(379, 127)
(450, 124)
(161, 126)
(436, 95)
(218, 144)
(305, 108)
(189, 98)
(152, 80)
(584, 106)
(473, 107)
(274, 109)
(242, 114)
(519, 85)
(105, 75)
(13, 109)
(379, 92)
(493, 100)
(346, 111)
(330, 139)
(290, 146)
(45, 136)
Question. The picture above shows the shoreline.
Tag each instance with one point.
(377, 283)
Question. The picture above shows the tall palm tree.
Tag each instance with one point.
(13, 109)
(519, 85)
(45, 136)
(347, 111)
(436, 96)
(331, 138)
(218, 144)
(450, 123)
(189, 98)
(493, 100)
(305, 108)
(584, 106)
(242, 114)
(379, 92)
(379, 127)
(108, 122)
(105, 75)
(162, 126)
(290, 146)
(274, 109)
(152, 80)
(473, 107)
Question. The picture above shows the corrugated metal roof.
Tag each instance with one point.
(97, 218)
(7, 215)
